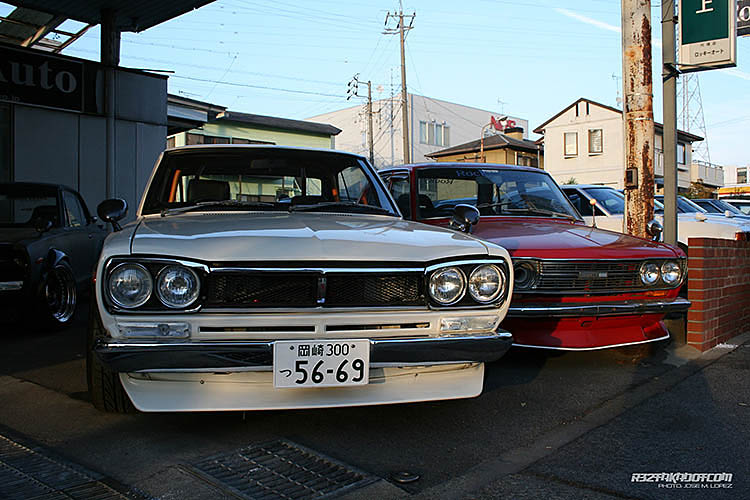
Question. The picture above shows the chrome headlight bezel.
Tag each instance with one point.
(431, 284)
(649, 267)
(675, 267)
(147, 280)
(160, 280)
(500, 284)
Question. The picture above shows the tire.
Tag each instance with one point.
(59, 296)
(105, 388)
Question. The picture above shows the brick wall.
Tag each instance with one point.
(719, 288)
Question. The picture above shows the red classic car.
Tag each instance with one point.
(576, 287)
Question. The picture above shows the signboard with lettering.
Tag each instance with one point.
(743, 17)
(36, 78)
(707, 34)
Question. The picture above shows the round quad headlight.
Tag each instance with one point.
(671, 272)
(649, 273)
(486, 283)
(177, 286)
(525, 275)
(447, 285)
(129, 285)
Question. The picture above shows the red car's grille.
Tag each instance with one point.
(589, 276)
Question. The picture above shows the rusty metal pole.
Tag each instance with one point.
(638, 115)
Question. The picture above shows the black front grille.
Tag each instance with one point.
(369, 289)
(589, 276)
(247, 289)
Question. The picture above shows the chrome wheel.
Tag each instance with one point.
(60, 294)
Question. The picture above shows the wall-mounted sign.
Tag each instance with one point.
(743, 17)
(32, 77)
(708, 34)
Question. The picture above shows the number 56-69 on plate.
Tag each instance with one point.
(324, 363)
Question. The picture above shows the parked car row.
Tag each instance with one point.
(258, 277)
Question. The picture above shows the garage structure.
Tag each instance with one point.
(92, 126)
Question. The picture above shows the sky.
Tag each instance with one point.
(526, 58)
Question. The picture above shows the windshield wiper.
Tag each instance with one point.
(541, 211)
(348, 205)
(218, 204)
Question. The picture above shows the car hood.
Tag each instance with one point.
(273, 236)
(14, 235)
(555, 239)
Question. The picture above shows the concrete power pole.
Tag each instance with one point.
(401, 29)
(638, 114)
(352, 88)
(669, 110)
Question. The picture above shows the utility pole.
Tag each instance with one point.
(351, 91)
(401, 29)
(638, 115)
(669, 110)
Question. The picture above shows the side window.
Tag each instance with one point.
(353, 185)
(73, 211)
(399, 188)
(579, 201)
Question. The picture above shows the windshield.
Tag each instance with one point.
(264, 179)
(727, 206)
(684, 206)
(610, 200)
(25, 205)
(507, 192)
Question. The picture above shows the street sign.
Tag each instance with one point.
(743, 17)
(708, 34)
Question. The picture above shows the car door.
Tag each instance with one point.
(78, 239)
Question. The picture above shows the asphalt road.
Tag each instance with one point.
(572, 425)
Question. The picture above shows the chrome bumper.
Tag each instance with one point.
(146, 356)
(557, 310)
(7, 286)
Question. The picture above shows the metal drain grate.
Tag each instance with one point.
(26, 474)
(280, 470)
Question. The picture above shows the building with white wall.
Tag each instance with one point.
(585, 142)
(736, 181)
(434, 124)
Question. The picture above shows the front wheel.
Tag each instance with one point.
(105, 388)
(59, 296)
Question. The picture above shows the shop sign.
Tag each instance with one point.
(32, 77)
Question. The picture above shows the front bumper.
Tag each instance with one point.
(571, 310)
(218, 356)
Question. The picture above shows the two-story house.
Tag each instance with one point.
(584, 143)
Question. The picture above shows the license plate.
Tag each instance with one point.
(330, 363)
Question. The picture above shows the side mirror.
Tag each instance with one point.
(654, 228)
(43, 225)
(112, 210)
(729, 214)
(464, 217)
(593, 212)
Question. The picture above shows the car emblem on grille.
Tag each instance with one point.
(322, 290)
(587, 275)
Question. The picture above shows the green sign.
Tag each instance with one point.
(704, 20)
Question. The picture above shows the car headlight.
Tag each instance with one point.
(649, 273)
(447, 285)
(177, 286)
(671, 272)
(130, 285)
(486, 283)
(525, 275)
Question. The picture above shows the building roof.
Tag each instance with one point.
(681, 134)
(497, 141)
(130, 15)
(278, 123)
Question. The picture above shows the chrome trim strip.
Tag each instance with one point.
(465, 262)
(665, 337)
(6, 286)
(325, 270)
(678, 304)
(270, 368)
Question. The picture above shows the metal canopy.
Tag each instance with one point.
(29, 28)
(130, 15)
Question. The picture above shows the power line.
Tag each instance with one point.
(248, 85)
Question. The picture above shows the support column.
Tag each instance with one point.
(110, 58)
(669, 140)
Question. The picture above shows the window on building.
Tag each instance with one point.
(742, 175)
(5, 128)
(192, 139)
(571, 143)
(433, 133)
(171, 142)
(596, 145)
(681, 153)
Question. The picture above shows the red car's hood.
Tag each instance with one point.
(557, 239)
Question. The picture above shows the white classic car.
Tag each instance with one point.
(272, 278)
(691, 222)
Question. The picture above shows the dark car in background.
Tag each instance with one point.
(49, 243)
(713, 206)
(576, 287)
